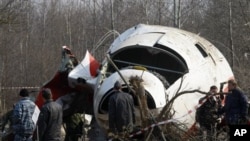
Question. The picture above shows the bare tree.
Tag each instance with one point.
(231, 32)
(33, 32)
(177, 12)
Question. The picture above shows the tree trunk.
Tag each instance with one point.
(177, 13)
(231, 33)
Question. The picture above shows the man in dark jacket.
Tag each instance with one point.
(236, 105)
(50, 119)
(206, 114)
(121, 110)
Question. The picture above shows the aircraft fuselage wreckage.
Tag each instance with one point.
(161, 61)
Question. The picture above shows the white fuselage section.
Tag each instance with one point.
(186, 60)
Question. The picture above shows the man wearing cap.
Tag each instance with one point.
(236, 106)
(23, 125)
(121, 110)
(50, 118)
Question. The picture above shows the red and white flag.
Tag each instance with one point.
(87, 69)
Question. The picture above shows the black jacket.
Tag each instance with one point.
(236, 105)
(206, 114)
(50, 121)
(121, 111)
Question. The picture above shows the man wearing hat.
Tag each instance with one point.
(121, 110)
(23, 125)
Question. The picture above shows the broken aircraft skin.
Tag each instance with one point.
(168, 60)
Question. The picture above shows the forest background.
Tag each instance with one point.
(32, 33)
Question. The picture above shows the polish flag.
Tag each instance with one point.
(63, 83)
(87, 69)
(90, 63)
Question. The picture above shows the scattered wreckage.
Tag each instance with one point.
(163, 68)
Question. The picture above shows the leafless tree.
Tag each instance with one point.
(33, 32)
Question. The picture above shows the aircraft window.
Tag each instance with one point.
(202, 51)
(165, 62)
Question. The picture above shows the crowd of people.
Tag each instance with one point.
(48, 125)
(218, 111)
(214, 110)
(25, 126)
